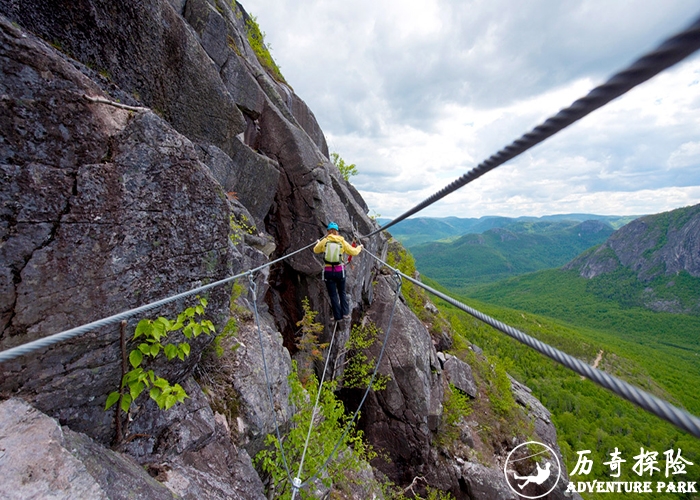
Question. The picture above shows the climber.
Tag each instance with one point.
(333, 246)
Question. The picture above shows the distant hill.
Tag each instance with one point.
(652, 262)
(527, 245)
(419, 230)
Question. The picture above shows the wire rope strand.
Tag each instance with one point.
(253, 291)
(662, 409)
(670, 52)
(35, 345)
(313, 413)
(369, 387)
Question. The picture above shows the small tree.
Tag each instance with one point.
(358, 367)
(329, 429)
(309, 348)
(346, 170)
(153, 335)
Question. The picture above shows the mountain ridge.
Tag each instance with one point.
(416, 230)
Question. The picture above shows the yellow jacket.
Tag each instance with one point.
(346, 247)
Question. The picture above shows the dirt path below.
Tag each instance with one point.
(596, 362)
(598, 358)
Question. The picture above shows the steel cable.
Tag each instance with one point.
(670, 52)
(676, 416)
(297, 481)
(50, 340)
(268, 386)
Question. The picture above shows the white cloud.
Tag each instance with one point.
(418, 93)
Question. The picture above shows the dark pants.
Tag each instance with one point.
(335, 283)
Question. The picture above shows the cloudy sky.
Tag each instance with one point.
(416, 93)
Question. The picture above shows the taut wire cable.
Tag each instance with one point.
(50, 340)
(297, 480)
(670, 52)
(253, 292)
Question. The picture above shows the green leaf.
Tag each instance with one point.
(155, 349)
(155, 393)
(159, 328)
(112, 399)
(161, 383)
(199, 310)
(197, 329)
(145, 348)
(136, 389)
(170, 401)
(184, 348)
(143, 328)
(135, 358)
(170, 351)
(161, 401)
(187, 331)
(126, 403)
(204, 302)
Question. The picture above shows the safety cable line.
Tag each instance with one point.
(297, 481)
(670, 52)
(369, 387)
(254, 293)
(50, 340)
(678, 417)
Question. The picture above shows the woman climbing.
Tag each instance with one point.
(333, 246)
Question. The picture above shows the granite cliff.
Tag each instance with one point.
(146, 150)
(657, 256)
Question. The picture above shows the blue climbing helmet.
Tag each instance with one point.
(332, 225)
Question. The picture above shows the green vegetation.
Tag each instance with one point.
(256, 39)
(239, 227)
(666, 345)
(501, 253)
(417, 230)
(350, 458)
(153, 333)
(309, 347)
(455, 406)
(346, 170)
(654, 351)
(358, 367)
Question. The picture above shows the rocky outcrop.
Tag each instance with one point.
(43, 460)
(458, 373)
(662, 244)
(655, 248)
(400, 420)
(95, 200)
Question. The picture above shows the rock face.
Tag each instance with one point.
(213, 168)
(400, 419)
(654, 247)
(93, 205)
(43, 460)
